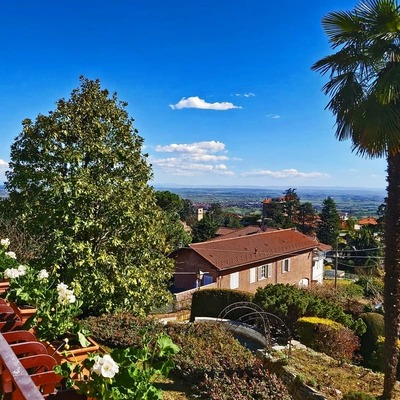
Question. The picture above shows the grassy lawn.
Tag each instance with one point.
(325, 375)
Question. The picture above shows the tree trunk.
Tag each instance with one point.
(392, 276)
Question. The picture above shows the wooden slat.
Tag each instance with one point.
(19, 375)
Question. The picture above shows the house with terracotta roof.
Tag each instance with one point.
(248, 262)
(226, 233)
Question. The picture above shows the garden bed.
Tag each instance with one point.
(324, 374)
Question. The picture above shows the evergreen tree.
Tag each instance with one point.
(205, 229)
(79, 179)
(328, 230)
(306, 218)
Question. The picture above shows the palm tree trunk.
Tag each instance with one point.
(392, 275)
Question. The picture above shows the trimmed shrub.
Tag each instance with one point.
(210, 302)
(377, 357)
(217, 366)
(121, 330)
(375, 328)
(328, 337)
(308, 326)
(206, 349)
(291, 303)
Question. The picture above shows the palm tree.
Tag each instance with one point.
(364, 90)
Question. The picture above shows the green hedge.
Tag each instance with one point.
(307, 328)
(291, 303)
(369, 340)
(329, 337)
(210, 302)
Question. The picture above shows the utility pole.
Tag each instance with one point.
(336, 264)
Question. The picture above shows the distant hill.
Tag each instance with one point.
(355, 201)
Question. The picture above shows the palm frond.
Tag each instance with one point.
(376, 128)
(342, 27)
(387, 85)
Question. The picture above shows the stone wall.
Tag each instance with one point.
(183, 300)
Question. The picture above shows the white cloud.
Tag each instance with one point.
(245, 95)
(190, 159)
(273, 116)
(196, 102)
(208, 158)
(286, 173)
(3, 163)
(193, 148)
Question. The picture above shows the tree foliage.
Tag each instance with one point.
(306, 218)
(172, 206)
(364, 89)
(328, 230)
(78, 178)
(205, 229)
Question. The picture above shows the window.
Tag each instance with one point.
(234, 280)
(264, 271)
(253, 274)
(269, 270)
(285, 265)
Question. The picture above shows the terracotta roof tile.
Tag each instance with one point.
(227, 253)
(368, 221)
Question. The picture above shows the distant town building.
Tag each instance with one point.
(200, 214)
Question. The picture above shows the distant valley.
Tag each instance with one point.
(354, 201)
(357, 202)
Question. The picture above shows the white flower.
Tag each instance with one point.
(10, 254)
(5, 242)
(105, 366)
(43, 274)
(22, 270)
(11, 273)
(61, 287)
(97, 365)
(65, 295)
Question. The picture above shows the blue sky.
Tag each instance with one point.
(220, 90)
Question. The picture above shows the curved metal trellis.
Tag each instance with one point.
(273, 329)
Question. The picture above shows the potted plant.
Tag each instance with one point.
(26, 289)
(8, 259)
(124, 374)
(56, 323)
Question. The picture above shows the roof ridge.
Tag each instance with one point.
(217, 239)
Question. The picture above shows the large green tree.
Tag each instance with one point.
(328, 228)
(172, 206)
(364, 87)
(79, 179)
(306, 218)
